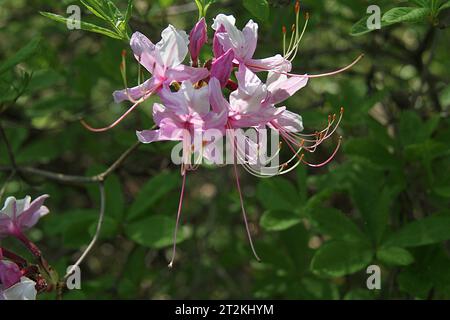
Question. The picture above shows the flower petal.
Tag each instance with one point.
(216, 98)
(24, 290)
(250, 32)
(173, 46)
(9, 273)
(137, 92)
(221, 67)
(275, 63)
(183, 72)
(283, 87)
(145, 51)
(290, 121)
(30, 216)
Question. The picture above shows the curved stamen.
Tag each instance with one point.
(311, 76)
(115, 123)
(180, 205)
(328, 160)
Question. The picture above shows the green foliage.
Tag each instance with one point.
(258, 8)
(107, 11)
(427, 11)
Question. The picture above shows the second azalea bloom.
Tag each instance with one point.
(244, 43)
(17, 216)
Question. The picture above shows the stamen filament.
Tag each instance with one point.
(180, 205)
(328, 160)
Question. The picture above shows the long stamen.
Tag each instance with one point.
(332, 73)
(328, 160)
(313, 75)
(115, 123)
(292, 54)
(180, 205)
(242, 203)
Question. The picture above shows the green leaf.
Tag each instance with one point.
(78, 226)
(84, 25)
(395, 256)
(259, 8)
(155, 231)
(278, 194)
(279, 220)
(372, 151)
(374, 198)
(23, 54)
(411, 128)
(426, 231)
(444, 6)
(406, 14)
(422, 3)
(360, 28)
(129, 11)
(151, 192)
(338, 258)
(334, 223)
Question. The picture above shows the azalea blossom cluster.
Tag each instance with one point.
(225, 93)
(20, 280)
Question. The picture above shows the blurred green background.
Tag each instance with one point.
(384, 200)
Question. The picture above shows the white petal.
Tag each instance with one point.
(173, 46)
(8, 208)
(224, 20)
(24, 290)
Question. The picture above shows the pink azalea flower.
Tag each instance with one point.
(164, 61)
(20, 215)
(197, 38)
(244, 45)
(185, 113)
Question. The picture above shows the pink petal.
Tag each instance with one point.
(216, 98)
(30, 217)
(137, 92)
(182, 73)
(275, 63)
(145, 51)
(9, 273)
(285, 88)
(221, 67)
(217, 46)
(250, 32)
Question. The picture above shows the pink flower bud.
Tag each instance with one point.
(197, 38)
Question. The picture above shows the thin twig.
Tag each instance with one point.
(97, 232)
(72, 179)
